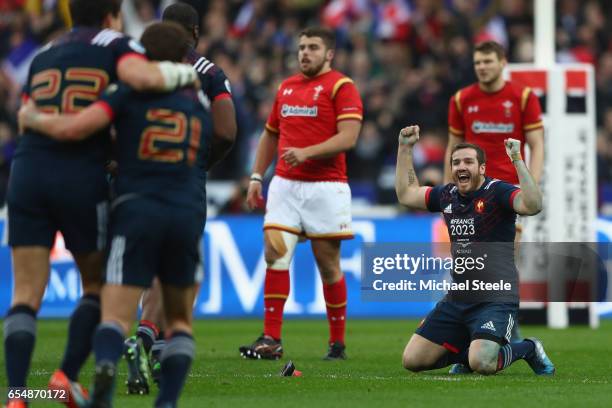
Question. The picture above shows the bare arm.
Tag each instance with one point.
(529, 200)
(453, 140)
(224, 129)
(65, 127)
(535, 141)
(266, 150)
(407, 188)
(144, 75)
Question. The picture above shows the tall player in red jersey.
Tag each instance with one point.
(489, 111)
(316, 117)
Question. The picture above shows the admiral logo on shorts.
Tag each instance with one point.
(304, 111)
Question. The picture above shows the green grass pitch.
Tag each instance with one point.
(371, 377)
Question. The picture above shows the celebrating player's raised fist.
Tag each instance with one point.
(409, 135)
(513, 149)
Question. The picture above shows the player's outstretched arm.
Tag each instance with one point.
(407, 188)
(65, 127)
(266, 150)
(453, 140)
(143, 75)
(529, 200)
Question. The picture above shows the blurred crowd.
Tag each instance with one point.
(407, 58)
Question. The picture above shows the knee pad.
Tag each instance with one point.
(283, 243)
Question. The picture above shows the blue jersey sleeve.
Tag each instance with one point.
(215, 84)
(432, 198)
(115, 98)
(219, 86)
(125, 46)
(26, 90)
(505, 193)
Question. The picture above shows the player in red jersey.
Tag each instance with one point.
(489, 111)
(316, 117)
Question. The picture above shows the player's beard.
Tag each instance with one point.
(466, 186)
(312, 70)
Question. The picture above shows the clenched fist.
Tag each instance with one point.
(513, 149)
(409, 135)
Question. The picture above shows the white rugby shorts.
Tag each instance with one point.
(315, 210)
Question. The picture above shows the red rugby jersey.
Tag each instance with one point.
(306, 112)
(486, 119)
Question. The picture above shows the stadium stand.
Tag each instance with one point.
(406, 56)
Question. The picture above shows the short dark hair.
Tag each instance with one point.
(327, 35)
(481, 157)
(91, 13)
(166, 41)
(488, 47)
(183, 14)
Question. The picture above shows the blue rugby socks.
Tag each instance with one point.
(511, 352)
(19, 339)
(176, 360)
(108, 342)
(83, 323)
(147, 331)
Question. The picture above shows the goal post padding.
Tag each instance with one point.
(567, 96)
